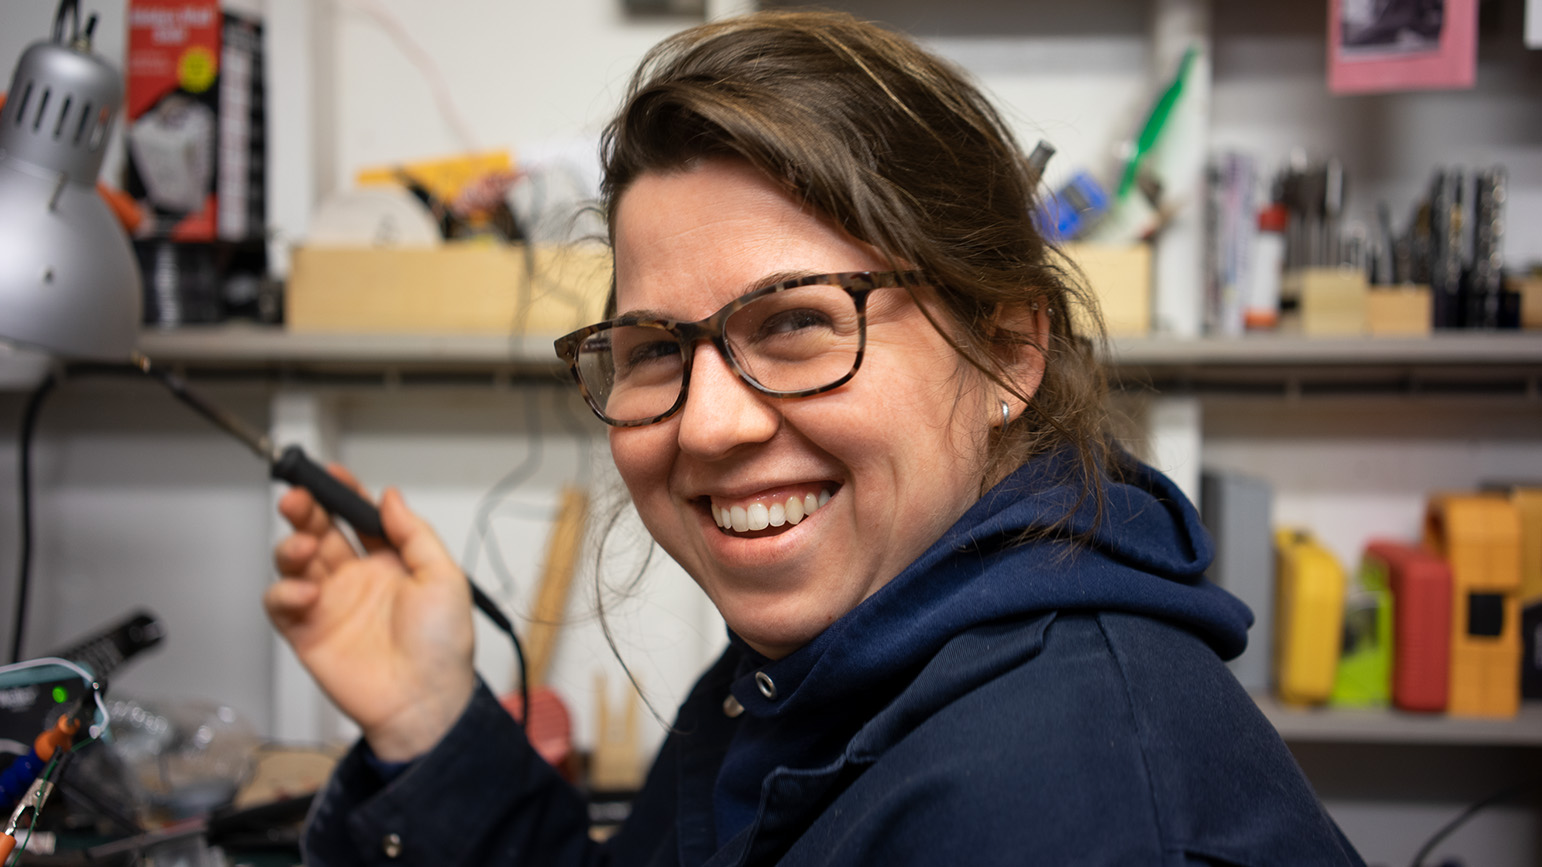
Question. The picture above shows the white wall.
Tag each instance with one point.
(136, 504)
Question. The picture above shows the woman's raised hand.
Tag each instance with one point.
(387, 634)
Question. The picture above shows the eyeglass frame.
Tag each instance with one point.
(857, 284)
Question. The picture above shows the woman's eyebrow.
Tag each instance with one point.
(753, 286)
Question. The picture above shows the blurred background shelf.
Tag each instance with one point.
(1384, 726)
(1491, 362)
(244, 349)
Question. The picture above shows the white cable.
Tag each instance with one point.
(97, 729)
(426, 65)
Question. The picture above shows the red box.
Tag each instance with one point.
(172, 108)
(1420, 582)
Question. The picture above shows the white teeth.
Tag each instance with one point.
(759, 516)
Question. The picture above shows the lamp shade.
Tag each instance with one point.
(69, 281)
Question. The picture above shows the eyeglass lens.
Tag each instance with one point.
(799, 339)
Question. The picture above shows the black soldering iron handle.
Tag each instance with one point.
(295, 467)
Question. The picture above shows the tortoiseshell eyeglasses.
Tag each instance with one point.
(791, 339)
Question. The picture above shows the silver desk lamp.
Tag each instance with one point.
(69, 282)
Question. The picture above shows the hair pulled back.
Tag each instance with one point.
(898, 149)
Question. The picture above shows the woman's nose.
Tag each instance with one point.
(721, 410)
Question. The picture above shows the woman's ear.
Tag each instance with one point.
(1024, 333)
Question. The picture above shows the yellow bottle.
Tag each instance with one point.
(1309, 617)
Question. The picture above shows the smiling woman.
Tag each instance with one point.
(848, 393)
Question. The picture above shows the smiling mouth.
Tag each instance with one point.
(767, 516)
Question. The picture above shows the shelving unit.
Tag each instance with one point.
(1442, 361)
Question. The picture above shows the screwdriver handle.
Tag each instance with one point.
(295, 467)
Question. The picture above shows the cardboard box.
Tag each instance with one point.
(1119, 276)
(470, 288)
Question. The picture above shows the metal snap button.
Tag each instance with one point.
(731, 707)
(767, 687)
(391, 845)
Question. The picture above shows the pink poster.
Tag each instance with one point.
(1385, 45)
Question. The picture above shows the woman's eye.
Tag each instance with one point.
(651, 352)
(788, 321)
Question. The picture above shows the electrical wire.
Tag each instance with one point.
(575, 424)
(37, 808)
(24, 567)
(1450, 827)
(443, 95)
(70, 8)
(97, 729)
(481, 538)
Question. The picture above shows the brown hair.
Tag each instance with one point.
(902, 152)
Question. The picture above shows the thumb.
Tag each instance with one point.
(414, 540)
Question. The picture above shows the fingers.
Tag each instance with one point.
(295, 555)
(287, 601)
(300, 508)
(415, 541)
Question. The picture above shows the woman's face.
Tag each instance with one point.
(895, 455)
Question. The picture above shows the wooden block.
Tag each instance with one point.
(471, 288)
(1333, 301)
(1399, 310)
(1530, 290)
(1119, 276)
(617, 764)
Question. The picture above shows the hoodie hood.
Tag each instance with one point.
(1031, 545)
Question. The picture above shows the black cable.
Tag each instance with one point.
(1450, 827)
(24, 568)
(72, 9)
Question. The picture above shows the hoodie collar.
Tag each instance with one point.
(1010, 556)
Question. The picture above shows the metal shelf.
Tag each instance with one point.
(245, 344)
(1508, 363)
(1457, 348)
(240, 349)
(1455, 363)
(1333, 725)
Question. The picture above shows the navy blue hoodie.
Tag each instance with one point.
(1145, 553)
(1007, 699)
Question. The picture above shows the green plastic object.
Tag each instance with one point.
(1156, 121)
(1364, 676)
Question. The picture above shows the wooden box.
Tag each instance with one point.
(1530, 290)
(1333, 301)
(472, 288)
(1119, 276)
(1399, 311)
